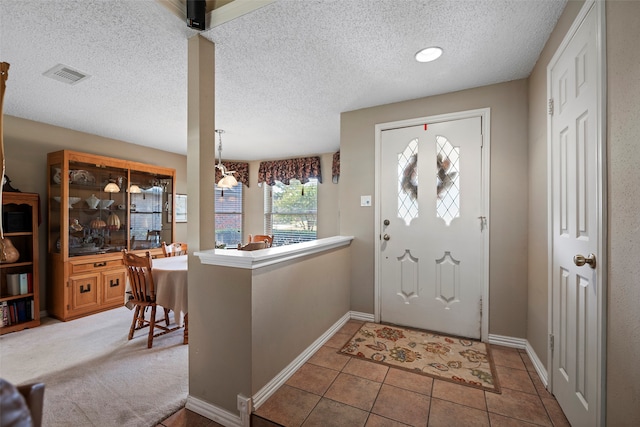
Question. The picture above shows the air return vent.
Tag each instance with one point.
(66, 74)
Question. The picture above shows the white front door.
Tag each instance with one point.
(432, 224)
(576, 221)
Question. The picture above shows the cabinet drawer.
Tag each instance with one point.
(82, 267)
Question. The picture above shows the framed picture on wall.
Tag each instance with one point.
(181, 208)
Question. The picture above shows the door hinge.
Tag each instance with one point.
(550, 107)
(551, 342)
(481, 307)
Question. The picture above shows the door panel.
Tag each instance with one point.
(431, 252)
(575, 226)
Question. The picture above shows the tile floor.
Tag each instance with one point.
(337, 390)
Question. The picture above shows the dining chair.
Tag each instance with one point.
(251, 246)
(143, 296)
(174, 249)
(266, 238)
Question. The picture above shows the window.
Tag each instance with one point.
(291, 211)
(228, 216)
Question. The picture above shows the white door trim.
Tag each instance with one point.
(601, 124)
(485, 115)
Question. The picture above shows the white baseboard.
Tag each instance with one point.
(522, 344)
(265, 392)
(247, 405)
(364, 317)
(537, 363)
(508, 341)
(214, 413)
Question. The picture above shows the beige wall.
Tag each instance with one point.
(623, 139)
(26, 146)
(508, 216)
(293, 305)
(537, 320)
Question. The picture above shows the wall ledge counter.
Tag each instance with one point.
(265, 257)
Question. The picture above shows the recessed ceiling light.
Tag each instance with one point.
(428, 54)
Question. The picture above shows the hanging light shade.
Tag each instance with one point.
(227, 180)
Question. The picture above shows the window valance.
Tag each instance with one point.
(301, 169)
(335, 168)
(241, 174)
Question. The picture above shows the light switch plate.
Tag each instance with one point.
(365, 200)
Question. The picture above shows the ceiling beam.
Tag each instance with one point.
(218, 11)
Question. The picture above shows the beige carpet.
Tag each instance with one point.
(459, 360)
(94, 376)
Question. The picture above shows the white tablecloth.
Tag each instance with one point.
(170, 278)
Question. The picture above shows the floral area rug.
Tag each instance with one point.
(459, 360)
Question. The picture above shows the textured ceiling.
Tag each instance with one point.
(284, 72)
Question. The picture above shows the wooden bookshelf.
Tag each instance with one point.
(20, 213)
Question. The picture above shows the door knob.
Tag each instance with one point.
(580, 260)
(386, 237)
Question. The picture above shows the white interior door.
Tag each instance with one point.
(431, 248)
(576, 195)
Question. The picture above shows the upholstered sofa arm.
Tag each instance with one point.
(21, 406)
(34, 396)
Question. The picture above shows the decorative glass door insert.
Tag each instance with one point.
(408, 182)
(447, 180)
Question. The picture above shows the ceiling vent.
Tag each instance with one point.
(66, 74)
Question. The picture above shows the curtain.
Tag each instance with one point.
(284, 171)
(335, 169)
(241, 174)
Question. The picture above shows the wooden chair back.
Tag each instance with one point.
(174, 249)
(252, 246)
(266, 238)
(140, 277)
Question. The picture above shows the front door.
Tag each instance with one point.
(431, 243)
(575, 199)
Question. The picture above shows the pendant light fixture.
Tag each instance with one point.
(227, 180)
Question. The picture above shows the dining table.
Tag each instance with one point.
(170, 279)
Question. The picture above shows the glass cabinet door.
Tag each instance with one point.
(149, 210)
(97, 206)
(55, 210)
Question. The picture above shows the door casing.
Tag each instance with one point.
(485, 115)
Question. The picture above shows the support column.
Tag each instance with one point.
(200, 143)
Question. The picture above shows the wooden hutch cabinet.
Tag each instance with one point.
(19, 280)
(97, 207)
